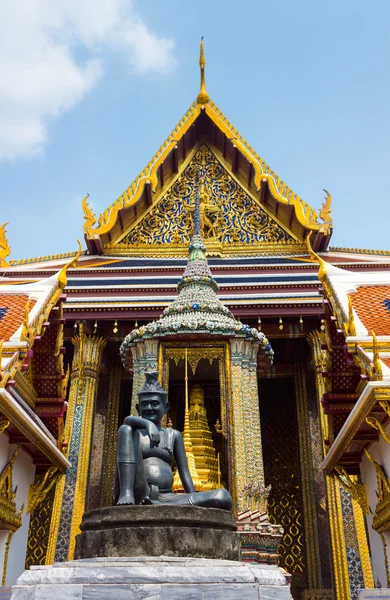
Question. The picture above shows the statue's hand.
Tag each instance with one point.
(153, 433)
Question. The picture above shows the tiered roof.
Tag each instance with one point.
(32, 390)
(358, 344)
(13, 309)
(372, 306)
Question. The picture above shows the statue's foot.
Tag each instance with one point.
(126, 498)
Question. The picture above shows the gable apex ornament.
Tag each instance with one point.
(203, 97)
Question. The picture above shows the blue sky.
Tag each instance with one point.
(93, 92)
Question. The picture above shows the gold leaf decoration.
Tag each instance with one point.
(5, 249)
(229, 215)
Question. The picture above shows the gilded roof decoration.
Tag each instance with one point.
(5, 249)
(62, 275)
(350, 326)
(326, 210)
(315, 257)
(10, 518)
(262, 172)
(228, 215)
(89, 215)
(359, 251)
(38, 259)
(203, 96)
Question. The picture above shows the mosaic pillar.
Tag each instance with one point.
(94, 490)
(339, 555)
(314, 578)
(350, 554)
(246, 459)
(87, 357)
(363, 546)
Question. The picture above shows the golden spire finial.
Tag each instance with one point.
(203, 96)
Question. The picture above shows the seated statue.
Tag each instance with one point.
(144, 456)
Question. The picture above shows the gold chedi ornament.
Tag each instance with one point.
(177, 485)
(202, 448)
(202, 440)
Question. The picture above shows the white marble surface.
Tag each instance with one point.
(274, 593)
(152, 579)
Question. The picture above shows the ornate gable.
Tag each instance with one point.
(232, 221)
(128, 223)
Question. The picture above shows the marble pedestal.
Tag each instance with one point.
(152, 578)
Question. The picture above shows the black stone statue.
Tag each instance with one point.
(144, 456)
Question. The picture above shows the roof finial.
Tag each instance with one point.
(203, 97)
(5, 250)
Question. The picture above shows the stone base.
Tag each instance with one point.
(158, 530)
(151, 578)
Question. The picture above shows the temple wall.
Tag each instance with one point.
(380, 451)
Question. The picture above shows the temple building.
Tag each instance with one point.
(285, 327)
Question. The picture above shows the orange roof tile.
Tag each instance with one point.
(372, 304)
(386, 361)
(12, 309)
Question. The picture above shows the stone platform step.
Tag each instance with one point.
(5, 593)
(151, 578)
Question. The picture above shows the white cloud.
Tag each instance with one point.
(41, 72)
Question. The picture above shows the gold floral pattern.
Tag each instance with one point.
(228, 214)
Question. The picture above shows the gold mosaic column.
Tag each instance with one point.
(339, 555)
(244, 417)
(88, 351)
(314, 578)
(110, 436)
(364, 549)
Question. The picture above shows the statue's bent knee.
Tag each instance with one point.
(125, 446)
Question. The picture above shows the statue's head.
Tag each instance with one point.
(153, 404)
